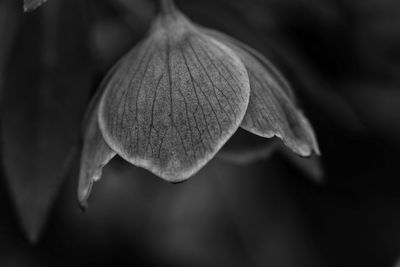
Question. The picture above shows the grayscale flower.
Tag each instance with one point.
(176, 98)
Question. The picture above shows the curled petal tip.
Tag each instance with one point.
(307, 134)
(84, 192)
(83, 205)
(94, 157)
(311, 166)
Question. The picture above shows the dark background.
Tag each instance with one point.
(342, 58)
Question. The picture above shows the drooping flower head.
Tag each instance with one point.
(176, 98)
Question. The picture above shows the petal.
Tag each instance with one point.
(241, 49)
(272, 110)
(174, 101)
(95, 153)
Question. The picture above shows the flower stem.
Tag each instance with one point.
(167, 6)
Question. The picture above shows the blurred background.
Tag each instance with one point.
(342, 58)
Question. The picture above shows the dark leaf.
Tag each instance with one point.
(9, 23)
(46, 89)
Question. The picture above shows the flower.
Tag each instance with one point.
(176, 98)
